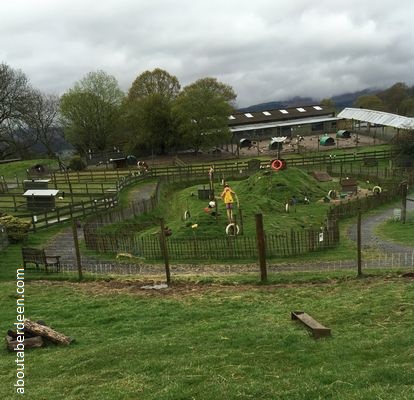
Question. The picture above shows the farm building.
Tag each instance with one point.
(306, 120)
(378, 124)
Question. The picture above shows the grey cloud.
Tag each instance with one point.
(267, 50)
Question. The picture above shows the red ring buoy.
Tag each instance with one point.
(277, 164)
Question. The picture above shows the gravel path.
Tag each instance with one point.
(63, 245)
(369, 237)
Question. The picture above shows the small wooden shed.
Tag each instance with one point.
(36, 184)
(349, 185)
(40, 199)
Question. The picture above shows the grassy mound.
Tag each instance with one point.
(265, 192)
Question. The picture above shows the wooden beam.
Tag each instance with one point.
(317, 329)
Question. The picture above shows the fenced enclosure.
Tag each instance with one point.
(238, 247)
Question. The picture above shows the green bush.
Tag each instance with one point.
(17, 229)
(76, 164)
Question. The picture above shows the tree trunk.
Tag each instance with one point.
(46, 332)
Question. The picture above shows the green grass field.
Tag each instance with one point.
(217, 337)
(397, 231)
(218, 341)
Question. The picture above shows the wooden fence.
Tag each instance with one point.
(283, 244)
(102, 186)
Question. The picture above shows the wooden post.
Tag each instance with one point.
(76, 243)
(359, 258)
(164, 251)
(404, 190)
(241, 221)
(261, 247)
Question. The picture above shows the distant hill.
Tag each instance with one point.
(341, 101)
(347, 99)
(293, 102)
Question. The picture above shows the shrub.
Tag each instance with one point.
(17, 229)
(76, 164)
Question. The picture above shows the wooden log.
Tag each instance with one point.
(46, 332)
(36, 341)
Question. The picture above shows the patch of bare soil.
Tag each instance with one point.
(194, 288)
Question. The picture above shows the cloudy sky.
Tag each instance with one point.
(266, 49)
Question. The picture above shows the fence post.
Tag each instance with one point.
(404, 191)
(164, 251)
(261, 247)
(76, 243)
(359, 258)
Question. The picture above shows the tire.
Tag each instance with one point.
(332, 194)
(277, 164)
(234, 226)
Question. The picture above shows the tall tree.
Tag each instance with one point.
(158, 82)
(407, 107)
(148, 111)
(403, 146)
(370, 102)
(16, 100)
(202, 111)
(393, 97)
(328, 103)
(91, 112)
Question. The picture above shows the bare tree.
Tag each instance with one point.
(43, 119)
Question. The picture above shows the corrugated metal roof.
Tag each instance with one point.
(377, 117)
(273, 115)
(302, 121)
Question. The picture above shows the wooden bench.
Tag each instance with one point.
(317, 329)
(39, 258)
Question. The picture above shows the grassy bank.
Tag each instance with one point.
(217, 341)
